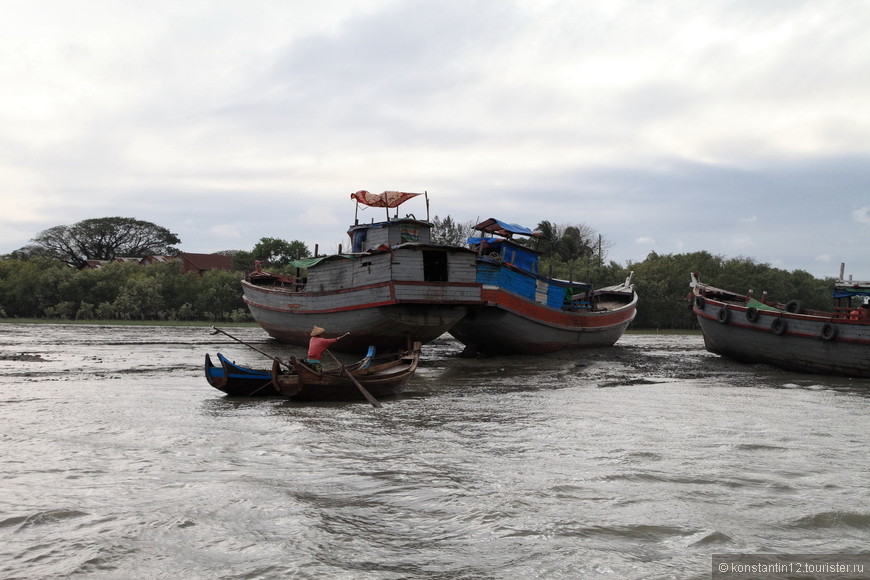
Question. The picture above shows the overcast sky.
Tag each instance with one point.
(740, 127)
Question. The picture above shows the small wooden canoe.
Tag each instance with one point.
(382, 376)
(236, 380)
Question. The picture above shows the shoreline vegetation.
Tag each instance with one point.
(206, 324)
(62, 322)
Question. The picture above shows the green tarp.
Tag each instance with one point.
(310, 262)
(753, 303)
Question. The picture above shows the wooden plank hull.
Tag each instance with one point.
(388, 376)
(510, 324)
(382, 299)
(238, 381)
(816, 342)
(385, 323)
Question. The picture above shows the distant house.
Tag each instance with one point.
(199, 263)
(148, 260)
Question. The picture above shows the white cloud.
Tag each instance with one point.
(743, 243)
(228, 231)
(317, 216)
(862, 215)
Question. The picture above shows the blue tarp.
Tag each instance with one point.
(846, 293)
(501, 228)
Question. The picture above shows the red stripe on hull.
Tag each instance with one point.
(513, 325)
(806, 342)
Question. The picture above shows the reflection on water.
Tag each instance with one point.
(638, 461)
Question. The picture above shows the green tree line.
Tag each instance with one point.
(662, 283)
(49, 277)
(48, 288)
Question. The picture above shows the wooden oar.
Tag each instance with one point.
(217, 330)
(362, 389)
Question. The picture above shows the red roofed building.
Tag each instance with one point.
(199, 263)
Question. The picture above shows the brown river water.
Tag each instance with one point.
(638, 461)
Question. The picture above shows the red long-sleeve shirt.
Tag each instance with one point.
(317, 345)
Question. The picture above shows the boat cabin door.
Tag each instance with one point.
(435, 266)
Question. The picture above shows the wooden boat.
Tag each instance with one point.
(524, 312)
(786, 335)
(381, 376)
(236, 380)
(394, 287)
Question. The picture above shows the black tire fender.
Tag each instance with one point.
(829, 331)
(794, 306)
(700, 303)
(724, 315)
(778, 326)
(752, 314)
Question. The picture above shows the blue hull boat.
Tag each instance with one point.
(238, 381)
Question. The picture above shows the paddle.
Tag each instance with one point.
(361, 388)
(217, 330)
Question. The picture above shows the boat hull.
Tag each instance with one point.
(384, 379)
(509, 324)
(796, 342)
(373, 316)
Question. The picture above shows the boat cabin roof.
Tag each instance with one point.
(846, 289)
(504, 229)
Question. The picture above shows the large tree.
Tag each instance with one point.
(275, 252)
(571, 242)
(450, 232)
(103, 239)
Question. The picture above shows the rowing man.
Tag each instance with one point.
(317, 344)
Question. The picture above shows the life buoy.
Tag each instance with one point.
(794, 306)
(700, 303)
(778, 326)
(829, 331)
(724, 315)
(752, 314)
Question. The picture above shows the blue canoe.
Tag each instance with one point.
(238, 381)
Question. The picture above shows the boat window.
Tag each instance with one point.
(435, 266)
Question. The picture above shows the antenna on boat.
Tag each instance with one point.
(426, 195)
(842, 270)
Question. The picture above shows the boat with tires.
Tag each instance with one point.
(787, 335)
